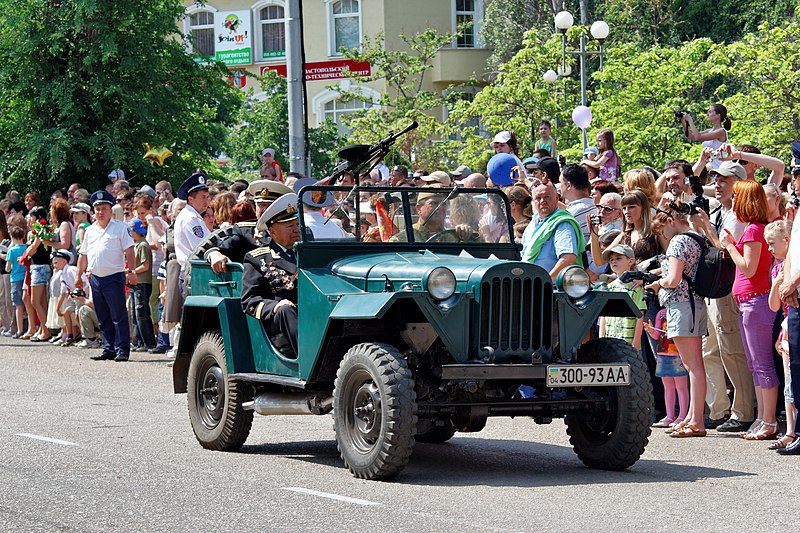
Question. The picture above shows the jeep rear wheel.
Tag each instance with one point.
(215, 402)
(613, 439)
(374, 411)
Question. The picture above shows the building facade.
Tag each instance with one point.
(251, 35)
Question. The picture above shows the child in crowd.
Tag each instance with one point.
(593, 270)
(670, 369)
(607, 161)
(17, 271)
(546, 142)
(144, 286)
(777, 236)
(65, 305)
(622, 259)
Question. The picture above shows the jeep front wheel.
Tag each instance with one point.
(374, 411)
(215, 402)
(613, 438)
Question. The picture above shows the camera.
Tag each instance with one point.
(78, 293)
(717, 154)
(596, 220)
(698, 202)
(795, 201)
(679, 115)
(645, 277)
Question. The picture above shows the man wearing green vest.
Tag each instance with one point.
(553, 240)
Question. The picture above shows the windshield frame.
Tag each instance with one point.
(407, 207)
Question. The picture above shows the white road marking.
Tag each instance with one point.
(331, 496)
(47, 439)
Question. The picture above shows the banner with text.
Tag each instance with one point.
(233, 37)
(327, 70)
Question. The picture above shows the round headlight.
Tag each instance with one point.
(441, 283)
(574, 281)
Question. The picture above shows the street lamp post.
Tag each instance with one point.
(598, 30)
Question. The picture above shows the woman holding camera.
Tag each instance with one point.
(686, 319)
(751, 291)
(714, 137)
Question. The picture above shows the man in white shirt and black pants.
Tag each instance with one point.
(107, 244)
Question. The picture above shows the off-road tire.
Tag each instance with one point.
(614, 440)
(215, 401)
(374, 411)
(437, 434)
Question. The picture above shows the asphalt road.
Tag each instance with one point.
(122, 457)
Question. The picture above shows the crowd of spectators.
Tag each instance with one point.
(726, 363)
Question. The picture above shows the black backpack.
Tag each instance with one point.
(715, 270)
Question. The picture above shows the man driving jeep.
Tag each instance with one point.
(432, 209)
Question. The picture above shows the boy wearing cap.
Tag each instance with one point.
(621, 259)
(270, 169)
(144, 287)
(65, 305)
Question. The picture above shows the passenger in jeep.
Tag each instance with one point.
(269, 281)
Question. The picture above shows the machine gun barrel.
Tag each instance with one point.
(358, 157)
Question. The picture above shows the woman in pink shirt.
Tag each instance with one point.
(751, 291)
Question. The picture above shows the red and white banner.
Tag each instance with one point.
(326, 70)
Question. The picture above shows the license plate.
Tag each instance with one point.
(588, 375)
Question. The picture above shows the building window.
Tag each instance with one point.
(345, 25)
(468, 13)
(273, 32)
(201, 28)
(336, 109)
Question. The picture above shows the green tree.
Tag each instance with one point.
(404, 73)
(265, 123)
(84, 83)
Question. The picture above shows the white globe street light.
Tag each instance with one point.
(550, 76)
(599, 30)
(564, 21)
(564, 71)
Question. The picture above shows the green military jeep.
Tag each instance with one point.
(416, 337)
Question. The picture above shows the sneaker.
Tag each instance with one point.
(55, 339)
(8, 333)
(95, 343)
(66, 342)
(714, 423)
(172, 353)
(734, 426)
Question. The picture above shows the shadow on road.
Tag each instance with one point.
(473, 461)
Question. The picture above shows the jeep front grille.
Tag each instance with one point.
(516, 314)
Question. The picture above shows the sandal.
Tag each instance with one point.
(677, 426)
(688, 431)
(763, 433)
(754, 428)
(782, 442)
(664, 422)
(26, 337)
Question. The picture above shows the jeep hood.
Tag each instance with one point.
(371, 272)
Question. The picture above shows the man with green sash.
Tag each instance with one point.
(553, 240)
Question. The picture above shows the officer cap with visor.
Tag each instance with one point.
(283, 209)
(196, 182)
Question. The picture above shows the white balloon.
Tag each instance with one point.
(582, 116)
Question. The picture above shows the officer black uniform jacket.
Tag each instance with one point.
(270, 275)
(242, 238)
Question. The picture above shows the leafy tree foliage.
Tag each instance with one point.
(403, 72)
(265, 123)
(84, 83)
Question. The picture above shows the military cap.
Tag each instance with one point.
(281, 210)
(196, 182)
(102, 197)
(267, 190)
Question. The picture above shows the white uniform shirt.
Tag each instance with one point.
(315, 221)
(105, 248)
(190, 230)
(794, 248)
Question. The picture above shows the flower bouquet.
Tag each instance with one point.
(43, 231)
